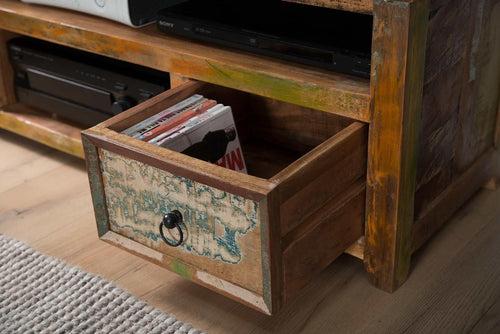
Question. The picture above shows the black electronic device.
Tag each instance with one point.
(77, 85)
(323, 37)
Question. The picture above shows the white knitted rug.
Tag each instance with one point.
(40, 294)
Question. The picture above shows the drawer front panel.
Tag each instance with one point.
(223, 230)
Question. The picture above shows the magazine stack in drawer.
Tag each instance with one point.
(198, 127)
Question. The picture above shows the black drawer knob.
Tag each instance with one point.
(172, 220)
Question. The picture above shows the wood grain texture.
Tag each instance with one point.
(37, 126)
(441, 210)
(453, 287)
(461, 92)
(93, 164)
(283, 124)
(357, 249)
(327, 171)
(481, 92)
(177, 80)
(329, 232)
(488, 323)
(302, 85)
(7, 95)
(397, 78)
(361, 6)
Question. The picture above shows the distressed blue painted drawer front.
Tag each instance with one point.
(223, 230)
(138, 196)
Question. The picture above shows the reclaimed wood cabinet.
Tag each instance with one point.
(373, 167)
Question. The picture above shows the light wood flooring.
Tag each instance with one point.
(454, 286)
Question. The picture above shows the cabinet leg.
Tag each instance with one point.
(399, 43)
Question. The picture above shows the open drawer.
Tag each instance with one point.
(257, 238)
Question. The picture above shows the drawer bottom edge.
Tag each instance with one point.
(190, 272)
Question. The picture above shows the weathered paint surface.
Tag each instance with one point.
(400, 32)
(138, 196)
(180, 269)
(96, 186)
(350, 102)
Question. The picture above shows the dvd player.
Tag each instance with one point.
(322, 37)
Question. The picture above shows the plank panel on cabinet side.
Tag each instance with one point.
(444, 72)
(480, 95)
(283, 124)
(462, 81)
(462, 188)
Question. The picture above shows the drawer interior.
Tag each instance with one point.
(273, 134)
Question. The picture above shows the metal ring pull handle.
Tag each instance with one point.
(170, 221)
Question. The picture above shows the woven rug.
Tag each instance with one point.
(40, 294)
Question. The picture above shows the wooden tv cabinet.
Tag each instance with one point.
(380, 164)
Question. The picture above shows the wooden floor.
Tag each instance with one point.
(454, 287)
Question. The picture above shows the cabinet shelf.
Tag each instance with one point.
(28, 122)
(302, 85)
